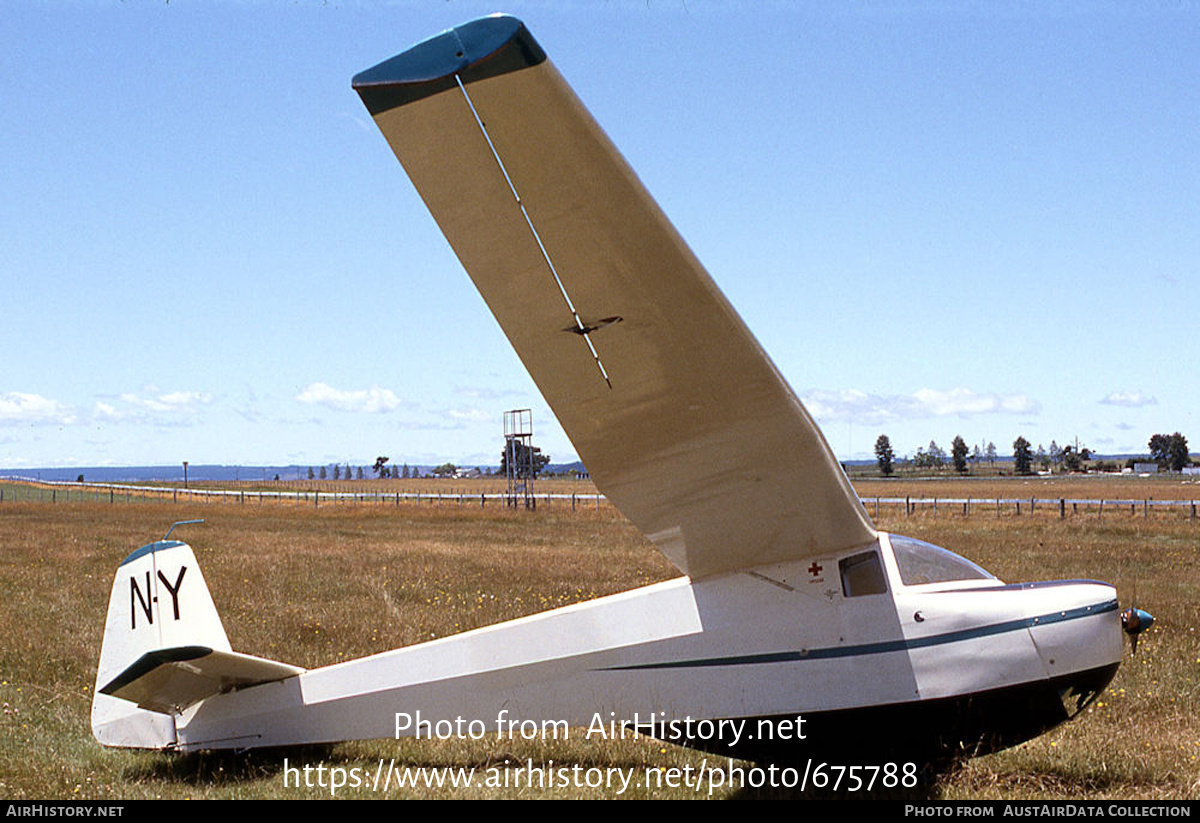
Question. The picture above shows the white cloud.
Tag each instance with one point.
(163, 409)
(860, 407)
(179, 401)
(1129, 399)
(373, 400)
(19, 407)
(964, 402)
(106, 412)
(488, 393)
(471, 415)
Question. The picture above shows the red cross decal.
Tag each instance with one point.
(814, 569)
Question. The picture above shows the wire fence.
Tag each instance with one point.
(53, 491)
(1060, 507)
(113, 493)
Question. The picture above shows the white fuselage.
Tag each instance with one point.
(776, 642)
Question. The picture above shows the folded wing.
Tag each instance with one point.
(680, 417)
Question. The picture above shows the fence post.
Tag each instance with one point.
(1062, 508)
(1145, 508)
(907, 506)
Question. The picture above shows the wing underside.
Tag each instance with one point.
(680, 417)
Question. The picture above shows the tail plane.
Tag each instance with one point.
(165, 650)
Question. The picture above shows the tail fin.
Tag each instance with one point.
(164, 650)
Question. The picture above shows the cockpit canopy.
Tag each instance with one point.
(920, 563)
(917, 563)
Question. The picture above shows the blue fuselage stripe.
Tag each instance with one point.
(885, 647)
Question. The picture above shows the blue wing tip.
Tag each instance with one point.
(482, 48)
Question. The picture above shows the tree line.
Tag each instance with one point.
(527, 459)
(1169, 451)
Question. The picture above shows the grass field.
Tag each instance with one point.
(315, 586)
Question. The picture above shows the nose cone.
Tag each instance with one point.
(1073, 624)
(1134, 622)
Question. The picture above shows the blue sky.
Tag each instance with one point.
(939, 219)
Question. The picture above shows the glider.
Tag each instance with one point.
(795, 623)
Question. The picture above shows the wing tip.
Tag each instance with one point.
(482, 48)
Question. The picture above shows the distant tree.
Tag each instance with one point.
(1055, 453)
(347, 474)
(445, 470)
(310, 473)
(884, 455)
(358, 474)
(337, 472)
(937, 457)
(276, 478)
(1071, 460)
(323, 473)
(79, 479)
(990, 453)
(1170, 451)
(1042, 458)
(379, 468)
(1022, 457)
(958, 450)
(521, 458)
(407, 473)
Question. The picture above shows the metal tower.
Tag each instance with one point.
(518, 457)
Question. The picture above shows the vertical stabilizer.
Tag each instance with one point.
(159, 604)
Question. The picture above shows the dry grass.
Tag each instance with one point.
(1078, 486)
(314, 586)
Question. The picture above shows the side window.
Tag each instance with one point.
(862, 574)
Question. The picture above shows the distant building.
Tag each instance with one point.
(1145, 468)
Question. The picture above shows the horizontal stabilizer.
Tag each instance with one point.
(170, 680)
